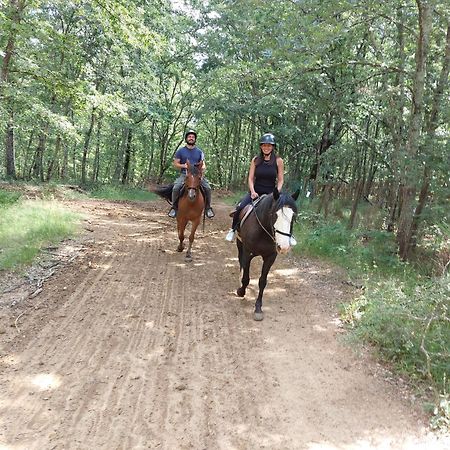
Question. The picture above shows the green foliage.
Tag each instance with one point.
(358, 251)
(27, 227)
(8, 198)
(409, 323)
(118, 192)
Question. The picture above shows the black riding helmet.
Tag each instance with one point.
(267, 138)
(190, 132)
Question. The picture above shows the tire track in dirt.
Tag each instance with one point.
(132, 348)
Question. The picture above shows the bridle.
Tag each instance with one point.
(192, 188)
(274, 230)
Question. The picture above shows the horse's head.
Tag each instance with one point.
(193, 180)
(284, 214)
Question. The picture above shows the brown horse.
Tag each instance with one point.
(191, 205)
(266, 232)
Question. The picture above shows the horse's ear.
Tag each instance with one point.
(296, 194)
(276, 194)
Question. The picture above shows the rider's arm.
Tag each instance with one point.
(280, 173)
(251, 179)
(177, 164)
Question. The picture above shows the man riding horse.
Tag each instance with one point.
(190, 152)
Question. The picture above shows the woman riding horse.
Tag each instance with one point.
(266, 172)
(265, 232)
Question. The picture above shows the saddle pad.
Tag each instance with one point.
(248, 208)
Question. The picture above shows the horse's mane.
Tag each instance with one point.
(285, 199)
(194, 169)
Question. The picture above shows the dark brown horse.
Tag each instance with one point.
(191, 205)
(266, 232)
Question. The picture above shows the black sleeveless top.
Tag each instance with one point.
(265, 176)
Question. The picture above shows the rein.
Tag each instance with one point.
(261, 225)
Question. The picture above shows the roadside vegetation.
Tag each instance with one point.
(403, 308)
(27, 226)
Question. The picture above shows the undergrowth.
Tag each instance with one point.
(403, 309)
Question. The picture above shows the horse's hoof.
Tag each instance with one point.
(180, 249)
(258, 316)
(188, 258)
(240, 292)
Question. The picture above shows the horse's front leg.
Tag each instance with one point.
(244, 263)
(194, 226)
(181, 225)
(267, 264)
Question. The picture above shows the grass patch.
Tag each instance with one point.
(27, 227)
(8, 198)
(360, 252)
(116, 192)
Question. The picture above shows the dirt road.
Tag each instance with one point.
(129, 347)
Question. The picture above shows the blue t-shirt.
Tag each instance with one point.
(194, 155)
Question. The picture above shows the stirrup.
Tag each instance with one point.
(172, 213)
(210, 213)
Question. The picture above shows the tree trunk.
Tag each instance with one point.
(9, 147)
(16, 8)
(86, 148)
(54, 159)
(126, 163)
(96, 168)
(152, 151)
(404, 233)
(38, 165)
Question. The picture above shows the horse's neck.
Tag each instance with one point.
(263, 212)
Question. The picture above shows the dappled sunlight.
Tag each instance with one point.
(46, 381)
(380, 441)
(274, 290)
(101, 266)
(10, 360)
(286, 272)
(156, 353)
(319, 328)
(230, 265)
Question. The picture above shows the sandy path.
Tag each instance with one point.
(129, 347)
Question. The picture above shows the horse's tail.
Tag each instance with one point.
(164, 191)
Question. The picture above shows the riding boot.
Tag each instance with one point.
(209, 211)
(173, 211)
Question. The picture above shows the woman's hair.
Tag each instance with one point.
(260, 158)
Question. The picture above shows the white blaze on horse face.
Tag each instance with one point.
(283, 224)
(191, 194)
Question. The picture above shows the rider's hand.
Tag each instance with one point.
(254, 195)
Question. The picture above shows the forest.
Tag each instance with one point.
(356, 93)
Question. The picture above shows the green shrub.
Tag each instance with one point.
(409, 323)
